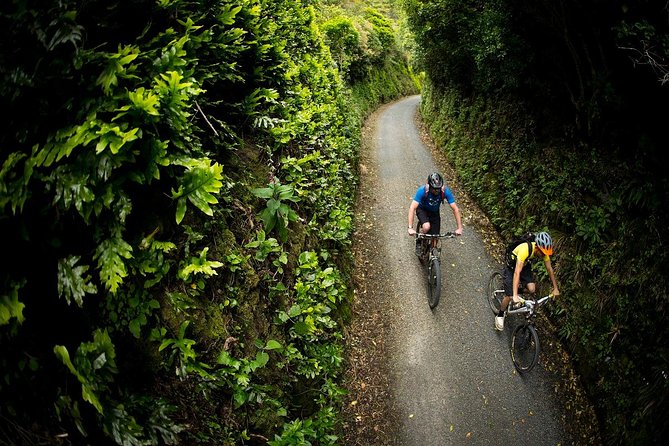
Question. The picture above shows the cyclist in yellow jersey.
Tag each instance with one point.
(518, 273)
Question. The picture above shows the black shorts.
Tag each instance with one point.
(526, 276)
(433, 217)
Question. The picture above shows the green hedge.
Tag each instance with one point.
(607, 219)
(178, 179)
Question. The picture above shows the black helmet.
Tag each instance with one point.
(435, 180)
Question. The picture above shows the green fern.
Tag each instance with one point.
(14, 182)
(198, 184)
(73, 282)
(115, 137)
(175, 96)
(109, 255)
(94, 365)
(118, 65)
(181, 351)
(10, 306)
(142, 101)
(200, 265)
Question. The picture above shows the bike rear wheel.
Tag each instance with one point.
(495, 291)
(525, 347)
(433, 283)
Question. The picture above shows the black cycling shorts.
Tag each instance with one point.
(526, 276)
(433, 217)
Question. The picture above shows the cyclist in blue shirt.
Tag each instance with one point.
(425, 205)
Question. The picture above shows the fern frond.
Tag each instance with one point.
(198, 184)
(73, 282)
(109, 255)
(200, 265)
(10, 306)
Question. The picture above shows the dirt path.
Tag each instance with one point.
(432, 377)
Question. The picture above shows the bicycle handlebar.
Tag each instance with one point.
(444, 235)
(528, 305)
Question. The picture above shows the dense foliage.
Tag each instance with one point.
(176, 189)
(363, 42)
(554, 114)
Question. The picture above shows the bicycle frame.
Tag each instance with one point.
(433, 265)
(525, 342)
(528, 307)
(436, 250)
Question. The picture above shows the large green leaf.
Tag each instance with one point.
(198, 185)
(10, 306)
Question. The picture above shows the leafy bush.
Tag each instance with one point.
(344, 42)
(139, 130)
(277, 214)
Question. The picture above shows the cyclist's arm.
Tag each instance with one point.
(551, 274)
(516, 279)
(458, 218)
(412, 212)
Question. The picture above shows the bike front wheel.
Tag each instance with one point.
(424, 251)
(433, 283)
(525, 347)
(495, 292)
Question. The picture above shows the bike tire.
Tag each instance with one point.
(433, 283)
(525, 347)
(495, 292)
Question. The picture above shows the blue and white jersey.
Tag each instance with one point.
(431, 202)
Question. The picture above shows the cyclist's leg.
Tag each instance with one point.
(527, 282)
(423, 220)
(507, 276)
(423, 227)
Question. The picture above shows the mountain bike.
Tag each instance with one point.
(525, 345)
(431, 256)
